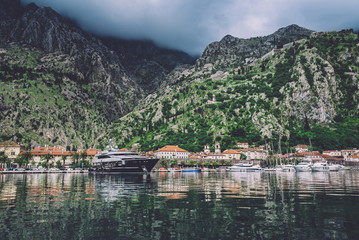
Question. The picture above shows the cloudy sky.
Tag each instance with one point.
(190, 25)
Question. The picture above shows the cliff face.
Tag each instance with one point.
(231, 51)
(307, 90)
(109, 76)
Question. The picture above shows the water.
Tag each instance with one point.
(180, 206)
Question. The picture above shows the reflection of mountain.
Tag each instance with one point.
(113, 186)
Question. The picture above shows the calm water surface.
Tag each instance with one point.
(180, 206)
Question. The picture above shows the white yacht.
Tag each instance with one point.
(335, 167)
(303, 167)
(286, 168)
(320, 167)
(245, 167)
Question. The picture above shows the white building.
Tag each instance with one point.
(171, 152)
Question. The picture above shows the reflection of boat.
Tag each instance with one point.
(303, 167)
(112, 186)
(191, 170)
(320, 167)
(244, 167)
(113, 161)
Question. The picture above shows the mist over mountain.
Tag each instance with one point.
(192, 25)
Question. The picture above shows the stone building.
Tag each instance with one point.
(11, 150)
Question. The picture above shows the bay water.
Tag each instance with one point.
(211, 205)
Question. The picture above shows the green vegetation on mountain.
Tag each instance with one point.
(44, 100)
(309, 90)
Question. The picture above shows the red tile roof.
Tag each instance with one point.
(12, 144)
(231, 151)
(171, 148)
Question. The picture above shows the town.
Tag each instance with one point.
(13, 155)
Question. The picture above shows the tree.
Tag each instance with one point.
(3, 158)
(27, 157)
(63, 158)
(75, 158)
(47, 157)
(164, 163)
(19, 160)
(174, 162)
(58, 164)
(83, 156)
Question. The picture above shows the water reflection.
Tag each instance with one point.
(180, 206)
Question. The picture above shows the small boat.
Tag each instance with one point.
(303, 167)
(174, 170)
(320, 167)
(245, 167)
(163, 170)
(191, 170)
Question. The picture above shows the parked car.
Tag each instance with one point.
(19, 169)
(9, 169)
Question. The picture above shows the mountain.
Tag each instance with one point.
(89, 80)
(306, 90)
(228, 55)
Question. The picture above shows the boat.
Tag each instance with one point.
(191, 170)
(114, 161)
(174, 170)
(320, 167)
(163, 170)
(245, 167)
(286, 168)
(303, 167)
(335, 167)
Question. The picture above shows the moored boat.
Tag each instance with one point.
(320, 167)
(303, 167)
(191, 170)
(245, 167)
(114, 161)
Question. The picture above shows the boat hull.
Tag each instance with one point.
(129, 167)
(191, 170)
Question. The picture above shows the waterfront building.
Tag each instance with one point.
(348, 152)
(11, 150)
(232, 154)
(242, 145)
(301, 148)
(333, 153)
(171, 152)
(254, 153)
(57, 154)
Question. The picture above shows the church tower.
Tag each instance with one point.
(217, 148)
(206, 149)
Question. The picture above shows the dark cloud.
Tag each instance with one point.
(190, 25)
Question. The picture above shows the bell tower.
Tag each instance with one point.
(217, 148)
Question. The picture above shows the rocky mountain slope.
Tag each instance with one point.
(40, 47)
(307, 90)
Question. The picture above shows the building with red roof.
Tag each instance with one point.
(172, 152)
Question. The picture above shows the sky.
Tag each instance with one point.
(190, 25)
